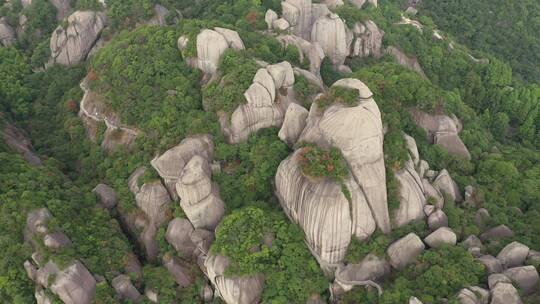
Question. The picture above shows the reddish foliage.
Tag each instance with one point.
(92, 75)
(251, 17)
(72, 106)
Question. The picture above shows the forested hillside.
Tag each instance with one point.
(266, 151)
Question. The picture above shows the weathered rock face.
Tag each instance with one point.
(94, 110)
(16, 140)
(293, 124)
(441, 130)
(180, 271)
(298, 14)
(169, 165)
(7, 34)
(307, 49)
(321, 209)
(525, 277)
(437, 220)
(125, 289)
(368, 40)
(358, 133)
(199, 196)
(331, 34)
(71, 45)
(106, 195)
(414, 300)
(233, 290)
(270, 17)
(405, 250)
(409, 62)
(56, 240)
(211, 44)
(153, 202)
(178, 234)
(371, 269)
(505, 293)
(74, 284)
(441, 236)
(493, 265)
(445, 184)
(267, 100)
(494, 279)
(473, 295)
(411, 193)
(513, 254)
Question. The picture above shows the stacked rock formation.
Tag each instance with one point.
(267, 100)
(328, 218)
(72, 283)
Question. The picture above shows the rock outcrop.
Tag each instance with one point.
(16, 140)
(233, 290)
(441, 130)
(293, 124)
(330, 32)
(267, 98)
(125, 289)
(7, 33)
(370, 270)
(505, 293)
(513, 254)
(405, 250)
(409, 62)
(445, 184)
(71, 45)
(367, 41)
(310, 50)
(525, 277)
(169, 165)
(106, 195)
(441, 236)
(299, 15)
(62, 8)
(357, 132)
(211, 44)
(199, 196)
(411, 193)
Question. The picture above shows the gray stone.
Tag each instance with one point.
(414, 300)
(437, 220)
(56, 240)
(74, 284)
(178, 235)
(371, 268)
(125, 289)
(405, 250)
(7, 34)
(497, 233)
(525, 277)
(482, 218)
(513, 254)
(270, 17)
(441, 236)
(505, 293)
(280, 24)
(445, 184)
(179, 270)
(496, 278)
(106, 195)
(293, 124)
(472, 241)
(492, 264)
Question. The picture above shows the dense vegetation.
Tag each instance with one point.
(266, 242)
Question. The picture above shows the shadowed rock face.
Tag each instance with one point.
(441, 130)
(412, 198)
(237, 290)
(71, 45)
(16, 140)
(74, 285)
(505, 293)
(7, 34)
(409, 62)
